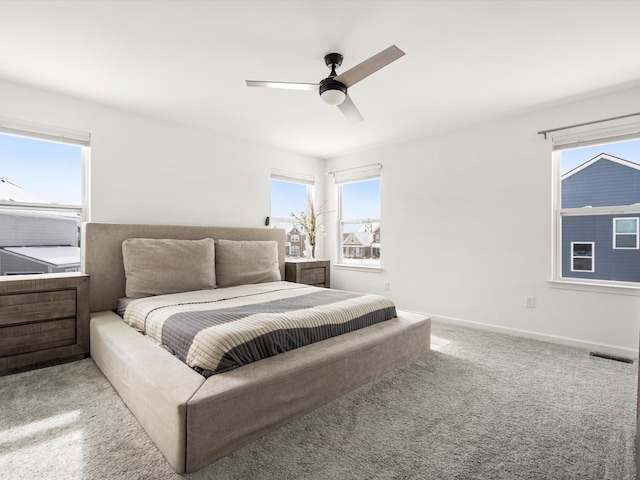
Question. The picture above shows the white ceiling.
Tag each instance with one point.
(187, 61)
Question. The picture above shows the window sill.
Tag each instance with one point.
(359, 268)
(603, 287)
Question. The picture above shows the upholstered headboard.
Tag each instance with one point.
(102, 252)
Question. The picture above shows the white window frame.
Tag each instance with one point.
(352, 175)
(617, 131)
(615, 233)
(591, 257)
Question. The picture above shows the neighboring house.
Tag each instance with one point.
(363, 244)
(36, 241)
(295, 241)
(604, 247)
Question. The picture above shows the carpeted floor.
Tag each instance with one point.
(479, 406)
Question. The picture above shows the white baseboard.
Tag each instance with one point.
(572, 342)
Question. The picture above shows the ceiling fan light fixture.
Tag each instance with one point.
(333, 97)
(332, 92)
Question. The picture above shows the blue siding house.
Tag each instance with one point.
(604, 247)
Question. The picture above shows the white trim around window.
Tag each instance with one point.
(627, 239)
(615, 131)
(39, 131)
(583, 255)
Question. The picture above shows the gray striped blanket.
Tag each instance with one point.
(214, 331)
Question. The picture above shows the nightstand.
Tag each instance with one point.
(44, 319)
(314, 272)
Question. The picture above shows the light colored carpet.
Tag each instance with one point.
(479, 406)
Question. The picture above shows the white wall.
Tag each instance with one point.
(466, 231)
(145, 170)
(466, 216)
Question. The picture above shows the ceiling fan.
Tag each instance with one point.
(333, 89)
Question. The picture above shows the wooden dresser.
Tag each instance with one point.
(314, 272)
(44, 319)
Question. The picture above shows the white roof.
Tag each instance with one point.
(597, 158)
(10, 192)
(58, 256)
(364, 238)
(41, 214)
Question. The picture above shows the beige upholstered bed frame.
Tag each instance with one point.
(195, 421)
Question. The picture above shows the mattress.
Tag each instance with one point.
(218, 330)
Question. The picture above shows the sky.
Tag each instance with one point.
(287, 197)
(53, 171)
(626, 150)
(360, 199)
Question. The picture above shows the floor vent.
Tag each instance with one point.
(611, 357)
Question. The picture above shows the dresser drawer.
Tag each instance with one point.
(34, 307)
(32, 337)
(312, 276)
(44, 320)
(313, 272)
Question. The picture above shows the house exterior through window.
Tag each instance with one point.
(289, 194)
(359, 215)
(597, 212)
(41, 198)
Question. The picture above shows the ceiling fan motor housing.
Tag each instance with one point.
(332, 91)
(330, 84)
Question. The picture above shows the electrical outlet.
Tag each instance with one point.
(387, 286)
(531, 302)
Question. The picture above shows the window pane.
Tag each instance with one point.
(615, 264)
(360, 221)
(43, 240)
(582, 264)
(287, 198)
(583, 250)
(626, 225)
(626, 241)
(361, 199)
(602, 176)
(51, 172)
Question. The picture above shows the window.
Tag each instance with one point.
(582, 257)
(289, 194)
(359, 201)
(41, 198)
(625, 232)
(597, 204)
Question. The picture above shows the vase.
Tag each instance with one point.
(311, 252)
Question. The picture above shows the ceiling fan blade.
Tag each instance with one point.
(350, 111)
(284, 85)
(369, 66)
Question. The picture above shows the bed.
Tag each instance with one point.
(196, 416)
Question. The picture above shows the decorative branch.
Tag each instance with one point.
(310, 221)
